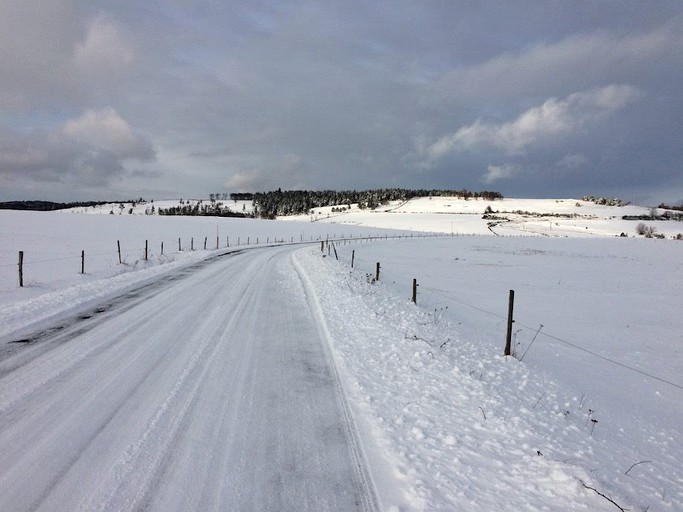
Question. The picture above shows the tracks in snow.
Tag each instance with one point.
(215, 393)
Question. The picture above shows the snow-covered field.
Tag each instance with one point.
(514, 217)
(590, 419)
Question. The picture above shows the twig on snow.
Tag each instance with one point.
(641, 462)
(604, 496)
(539, 399)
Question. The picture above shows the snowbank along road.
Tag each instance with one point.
(211, 390)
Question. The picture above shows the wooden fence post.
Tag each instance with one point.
(322, 246)
(82, 262)
(508, 339)
(335, 252)
(146, 249)
(227, 241)
(205, 239)
(192, 244)
(118, 245)
(218, 243)
(414, 291)
(21, 269)
(180, 247)
(377, 272)
(162, 248)
(353, 257)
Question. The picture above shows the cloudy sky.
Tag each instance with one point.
(182, 98)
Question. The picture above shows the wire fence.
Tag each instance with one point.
(557, 339)
(89, 257)
(540, 332)
(254, 241)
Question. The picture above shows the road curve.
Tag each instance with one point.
(213, 392)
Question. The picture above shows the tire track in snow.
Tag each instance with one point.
(193, 377)
(364, 482)
(213, 394)
(136, 473)
(74, 362)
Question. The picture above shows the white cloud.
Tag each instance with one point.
(242, 181)
(572, 161)
(105, 129)
(499, 172)
(104, 48)
(552, 119)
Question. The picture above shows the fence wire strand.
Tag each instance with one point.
(559, 340)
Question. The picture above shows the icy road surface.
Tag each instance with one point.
(213, 390)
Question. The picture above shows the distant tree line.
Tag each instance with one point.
(669, 215)
(269, 205)
(665, 207)
(242, 196)
(200, 208)
(46, 206)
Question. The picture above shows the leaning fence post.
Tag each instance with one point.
(353, 257)
(508, 339)
(118, 244)
(21, 269)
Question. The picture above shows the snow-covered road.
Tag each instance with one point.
(212, 390)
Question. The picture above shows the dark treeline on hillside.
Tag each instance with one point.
(45, 206)
(200, 208)
(269, 205)
(677, 208)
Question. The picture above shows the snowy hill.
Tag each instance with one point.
(509, 216)
(455, 215)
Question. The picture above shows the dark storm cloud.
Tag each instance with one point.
(189, 98)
